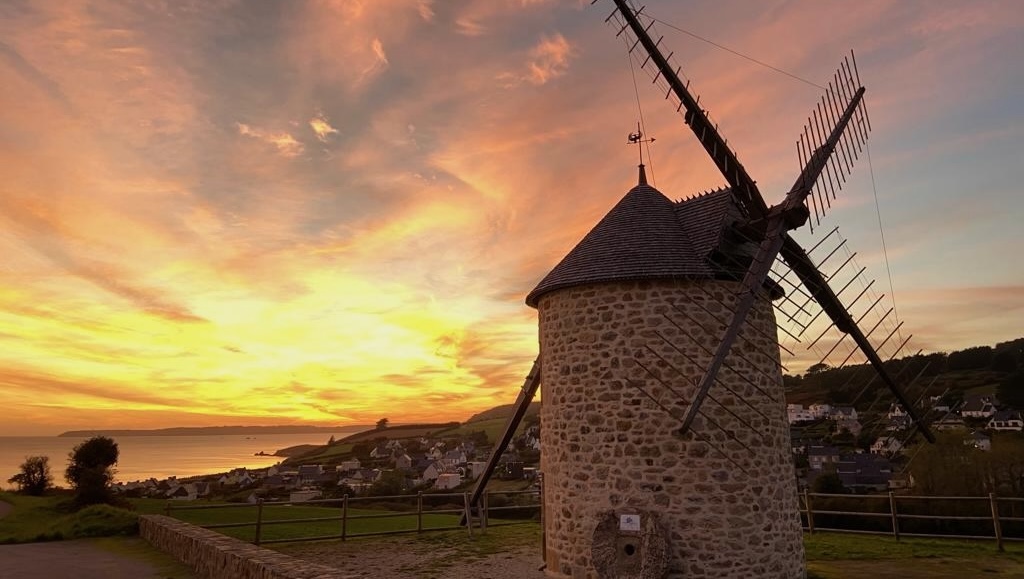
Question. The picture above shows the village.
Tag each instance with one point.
(383, 466)
(831, 440)
(826, 439)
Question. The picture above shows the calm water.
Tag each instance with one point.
(143, 457)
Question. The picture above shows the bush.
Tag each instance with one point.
(34, 478)
(102, 521)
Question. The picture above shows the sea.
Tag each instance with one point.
(159, 457)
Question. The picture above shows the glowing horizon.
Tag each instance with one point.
(331, 212)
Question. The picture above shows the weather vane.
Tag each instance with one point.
(638, 139)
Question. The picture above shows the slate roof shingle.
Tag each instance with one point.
(646, 236)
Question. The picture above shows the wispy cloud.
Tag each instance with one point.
(548, 60)
(282, 141)
(322, 128)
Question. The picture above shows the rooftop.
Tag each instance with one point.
(647, 236)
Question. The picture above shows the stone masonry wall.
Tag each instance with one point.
(726, 494)
(215, 556)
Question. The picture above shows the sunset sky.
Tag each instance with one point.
(222, 212)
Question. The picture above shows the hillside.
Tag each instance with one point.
(503, 412)
(992, 370)
(217, 430)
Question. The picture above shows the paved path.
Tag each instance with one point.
(120, 558)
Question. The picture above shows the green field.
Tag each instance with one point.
(829, 555)
(493, 428)
(845, 556)
(402, 521)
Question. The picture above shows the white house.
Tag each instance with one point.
(797, 413)
(978, 407)
(1006, 420)
(843, 413)
(349, 465)
(448, 480)
(938, 405)
(820, 410)
(886, 445)
(433, 471)
(403, 461)
(896, 410)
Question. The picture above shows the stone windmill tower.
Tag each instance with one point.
(664, 439)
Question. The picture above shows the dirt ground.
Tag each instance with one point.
(433, 556)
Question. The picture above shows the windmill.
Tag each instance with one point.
(664, 440)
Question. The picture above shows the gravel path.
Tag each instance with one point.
(428, 556)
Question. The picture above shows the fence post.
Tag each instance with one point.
(996, 526)
(810, 513)
(167, 508)
(483, 511)
(419, 512)
(895, 517)
(344, 516)
(259, 521)
(469, 513)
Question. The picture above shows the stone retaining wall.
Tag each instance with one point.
(215, 556)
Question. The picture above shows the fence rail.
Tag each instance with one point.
(994, 518)
(986, 518)
(476, 517)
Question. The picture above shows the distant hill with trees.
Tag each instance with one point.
(995, 370)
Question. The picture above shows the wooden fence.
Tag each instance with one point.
(479, 517)
(991, 517)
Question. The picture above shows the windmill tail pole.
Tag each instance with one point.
(522, 404)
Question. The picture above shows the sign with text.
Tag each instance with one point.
(629, 523)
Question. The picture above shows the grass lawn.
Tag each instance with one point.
(45, 519)
(842, 556)
(274, 531)
(166, 566)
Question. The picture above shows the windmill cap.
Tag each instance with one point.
(647, 236)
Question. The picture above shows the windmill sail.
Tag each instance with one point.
(768, 226)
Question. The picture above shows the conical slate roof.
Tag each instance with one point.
(645, 236)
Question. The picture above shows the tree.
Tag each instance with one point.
(382, 424)
(1004, 361)
(817, 368)
(34, 478)
(976, 358)
(1011, 390)
(90, 469)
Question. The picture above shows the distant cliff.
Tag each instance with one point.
(219, 430)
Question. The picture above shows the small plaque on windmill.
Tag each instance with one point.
(629, 523)
(631, 545)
